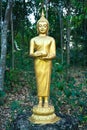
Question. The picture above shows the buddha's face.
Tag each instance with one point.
(42, 27)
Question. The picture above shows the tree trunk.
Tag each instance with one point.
(84, 35)
(4, 28)
(23, 32)
(68, 42)
(12, 33)
(61, 28)
(46, 4)
(0, 17)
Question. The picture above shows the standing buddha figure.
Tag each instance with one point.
(42, 48)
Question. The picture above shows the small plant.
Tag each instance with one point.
(15, 109)
(14, 105)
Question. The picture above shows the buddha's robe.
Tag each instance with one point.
(43, 73)
(43, 66)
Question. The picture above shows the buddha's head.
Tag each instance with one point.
(42, 25)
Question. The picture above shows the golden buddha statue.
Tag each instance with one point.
(43, 49)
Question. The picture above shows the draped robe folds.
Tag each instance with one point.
(43, 66)
(43, 70)
(43, 73)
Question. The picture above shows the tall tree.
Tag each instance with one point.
(61, 27)
(68, 29)
(12, 33)
(4, 30)
(68, 36)
(46, 3)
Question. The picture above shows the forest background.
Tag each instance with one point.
(68, 25)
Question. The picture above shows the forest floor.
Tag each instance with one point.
(24, 100)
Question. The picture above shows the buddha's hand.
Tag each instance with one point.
(44, 58)
(40, 53)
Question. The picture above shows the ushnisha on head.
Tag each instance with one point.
(42, 20)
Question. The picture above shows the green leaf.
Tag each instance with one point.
(67, 92)
(14, 105)
(2, 94)
(60, 85)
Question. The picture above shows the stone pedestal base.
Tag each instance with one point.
(43, 115)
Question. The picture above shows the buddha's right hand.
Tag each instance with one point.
(37, 53)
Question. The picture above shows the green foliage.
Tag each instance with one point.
(68, 95)
(16, 109)
(14, 105)
(14, 80)
(67, 92)
(59, 68)
(60, 85)
(2, 94)
(2, 97)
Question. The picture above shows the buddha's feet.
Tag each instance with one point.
(40, 104)
(46, 104)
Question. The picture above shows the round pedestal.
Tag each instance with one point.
(43, 115)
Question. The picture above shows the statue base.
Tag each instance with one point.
(43, 115)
